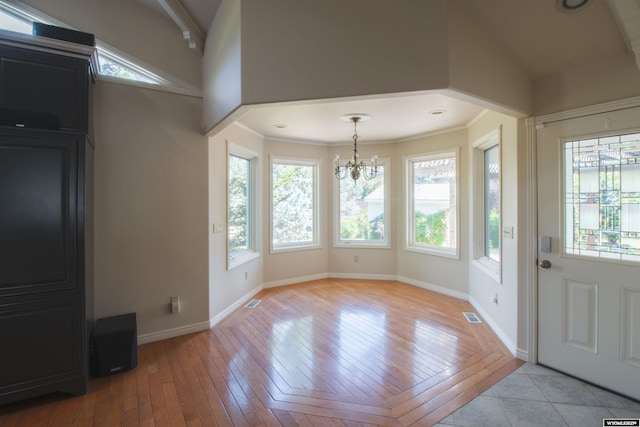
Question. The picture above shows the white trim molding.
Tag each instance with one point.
(511, 346)
(203, 326)
(173, 332)
(531, 241)
(434, 288)
(190, 30)
(239, 302)
(295, 280)
(627, 15)
(622, 104)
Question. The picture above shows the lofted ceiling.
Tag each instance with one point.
(542, 39)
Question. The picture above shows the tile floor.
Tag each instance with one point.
(536, 396)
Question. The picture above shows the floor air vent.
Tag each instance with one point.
(471, 317)
(253, 303)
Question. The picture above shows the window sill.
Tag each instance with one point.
(361, 245)
(294, 248)
(241, 259)
(489, 267)
(441, 252)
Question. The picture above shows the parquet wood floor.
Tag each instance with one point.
(324, 353)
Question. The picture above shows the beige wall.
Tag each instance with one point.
(294, 50)
(431, 270)
(129, 26)
(481, 68)
(290, 51)
(229, 287)
(503, 316)
(150, 207)
(222, 68)
(377, 262)
(589, 84)
(297, 265)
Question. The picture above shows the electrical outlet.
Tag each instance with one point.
(494, 299)
(356, 258)
(175, 305)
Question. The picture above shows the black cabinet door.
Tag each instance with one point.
(43, 90)
(38, 212)
(43, 347)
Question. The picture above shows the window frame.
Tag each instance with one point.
(490, 266)
(409, 242)
(296, 246)
(385, 243)
(253, 222)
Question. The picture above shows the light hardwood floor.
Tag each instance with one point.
(323, 353)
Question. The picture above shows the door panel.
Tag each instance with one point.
(580, 315)
(589, 284)
(38, 219)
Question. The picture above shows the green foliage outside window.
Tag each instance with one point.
(494, 233)
(293, 203)
(359, 227)
(431, 229)
(355, 209)
(238, 204)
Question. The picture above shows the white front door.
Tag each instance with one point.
(589, 248)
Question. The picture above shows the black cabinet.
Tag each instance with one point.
(44, 90)
(46, 298)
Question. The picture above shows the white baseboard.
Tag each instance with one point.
(295, 280)
(241, 301)
(174, 332)
(362, 276)
(196, 327)
(522, 354)
(511, 346)
(435, 288)
(203, 326)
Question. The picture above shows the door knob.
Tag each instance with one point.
(545, 263)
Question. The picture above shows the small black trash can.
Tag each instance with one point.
(114, 345)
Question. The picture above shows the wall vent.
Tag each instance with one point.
(253, 303)
(471, 317)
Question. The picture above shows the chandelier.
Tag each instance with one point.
(355, 167)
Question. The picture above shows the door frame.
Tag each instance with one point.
(533, 124)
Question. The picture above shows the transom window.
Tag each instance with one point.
(432, 207)
(111, 63)
(602, 197)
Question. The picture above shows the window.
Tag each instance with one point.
(242, 206)
(111, 64)
(492, 203)
(487, 203)
(294, 204)
(602, 197)
(362, 209)
(432, 205)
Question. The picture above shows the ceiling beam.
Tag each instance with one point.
(190, 30)
(627, 15)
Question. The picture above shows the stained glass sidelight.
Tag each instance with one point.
(602, 197)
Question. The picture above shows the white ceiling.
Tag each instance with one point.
(392, 119)
(542, 39)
